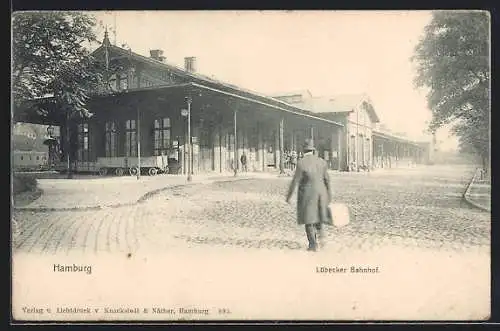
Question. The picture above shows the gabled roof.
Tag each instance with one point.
(175, 69)
(344, 103)
(348, 102)
(208, 81)
(319, 105)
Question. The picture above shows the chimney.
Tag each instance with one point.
(190, 64)
(157, 54)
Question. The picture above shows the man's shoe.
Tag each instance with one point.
(313, 249)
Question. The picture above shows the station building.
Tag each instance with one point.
(150, 108)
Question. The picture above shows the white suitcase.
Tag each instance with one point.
(340, 214)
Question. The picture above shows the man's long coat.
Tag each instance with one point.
(314, 191)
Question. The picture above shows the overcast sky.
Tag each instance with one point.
(326, 52)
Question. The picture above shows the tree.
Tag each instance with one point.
(472, 139)
(49, 58)
(453, 63)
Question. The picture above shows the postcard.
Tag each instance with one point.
(250, 165)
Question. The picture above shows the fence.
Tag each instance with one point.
(479, 190)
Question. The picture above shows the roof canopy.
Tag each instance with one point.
(210, 83)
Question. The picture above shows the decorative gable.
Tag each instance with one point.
(129, 71)
(364, 114)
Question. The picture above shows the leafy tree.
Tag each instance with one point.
(50, 58)
(472, 138)
(453, 64)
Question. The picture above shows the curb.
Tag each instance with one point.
(468, 200)
(141, 199)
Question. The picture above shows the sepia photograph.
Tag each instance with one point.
(250, 165)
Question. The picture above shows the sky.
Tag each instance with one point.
(325, 52)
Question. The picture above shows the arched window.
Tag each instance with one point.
(112, 82)
(162, 136)
(352, 148)
(123, 81)
(83, 142)
(111, 139)
(130, 138)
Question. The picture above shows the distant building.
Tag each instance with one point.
(28, 150)
(365, 142)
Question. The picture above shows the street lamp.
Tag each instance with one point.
(187, 113)
(51, 142)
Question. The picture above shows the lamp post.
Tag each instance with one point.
(50, 131)
(187, 113)
(51, 143)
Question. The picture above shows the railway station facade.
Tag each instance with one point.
(150, 109)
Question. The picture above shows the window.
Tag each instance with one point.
(205, 137)
(367, 150)
(134, 80)
(162, 136)
(361, 150)
(38, 158)
(111, 139)
(146, 83)
(130, 138)
(123, 81)
(112, 82)
(352, 149)
(83, 142)
(21, 157)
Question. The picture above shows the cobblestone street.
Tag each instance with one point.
(416, 207)
(236, 244)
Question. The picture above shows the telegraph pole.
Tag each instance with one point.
(187, 112)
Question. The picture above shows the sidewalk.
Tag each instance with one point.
(97, 192)
(479, 193)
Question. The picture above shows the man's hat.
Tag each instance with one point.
(309, 145)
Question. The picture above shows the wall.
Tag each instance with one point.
(359, 139)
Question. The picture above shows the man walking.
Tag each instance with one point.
(243, 160)
(313, 195)
(293, 160)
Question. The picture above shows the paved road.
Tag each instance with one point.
(87, 191)
(419, 207)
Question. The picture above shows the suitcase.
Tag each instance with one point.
(339, 213)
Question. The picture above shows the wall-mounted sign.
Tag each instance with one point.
(184, 112)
